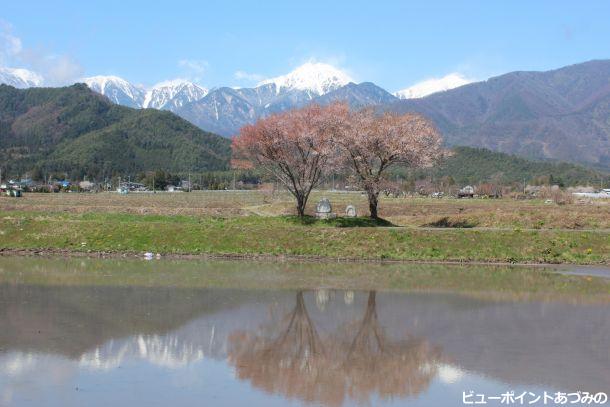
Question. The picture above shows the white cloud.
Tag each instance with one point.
(450, 374)
(339, 61)
(246, 76)
(10, 45)
(55, 69)
(193, 69)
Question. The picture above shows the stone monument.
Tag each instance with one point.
(324, 209)
(350, 211)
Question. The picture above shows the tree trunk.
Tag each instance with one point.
(373, 201)
(301, 202)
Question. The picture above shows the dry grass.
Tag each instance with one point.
(411, 212)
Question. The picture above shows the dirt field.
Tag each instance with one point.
(412, 212)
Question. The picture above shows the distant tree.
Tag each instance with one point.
(296, 147)
(373, 143)
(159, 180)
(37, 174)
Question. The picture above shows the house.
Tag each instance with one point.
(86, 185)
(133, 186)
(604, 193)
(466, 192)
(186, 185)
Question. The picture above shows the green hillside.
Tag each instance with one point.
(470, 165)
(77, 131)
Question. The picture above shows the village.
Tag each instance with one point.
(419, 188)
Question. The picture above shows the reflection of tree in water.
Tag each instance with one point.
(390, 368)
(290, 358)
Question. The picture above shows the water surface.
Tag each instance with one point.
(107, 332)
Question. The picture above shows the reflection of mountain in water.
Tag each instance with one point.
(559, 345)
(73, 321)
(161, 350)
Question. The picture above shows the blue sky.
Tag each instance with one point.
(235, 43)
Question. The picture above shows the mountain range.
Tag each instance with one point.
(20, 78)
(434, 85)
(168, 95)
(78, 132)
(562, 114)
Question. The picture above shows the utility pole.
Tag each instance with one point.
(189, 182)
(233, 180)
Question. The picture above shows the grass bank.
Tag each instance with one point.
(411, 211)
(254, 235)
(493, 282)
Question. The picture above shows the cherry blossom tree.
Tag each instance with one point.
(295, 146)
(373, 143)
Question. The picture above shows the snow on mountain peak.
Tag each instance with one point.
(116, 89)
(19, 77)
(173, 94)
(172, 83)
(169, 95)
(316, 77)
(429, 86)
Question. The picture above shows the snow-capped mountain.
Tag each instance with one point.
(433, 85)
(168, 95)
(225, 110)
(358, 95)
(168, 351)
(118, 90)
(314, 77)
(172, 95)
(20, 78)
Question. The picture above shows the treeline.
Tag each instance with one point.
(210, 180)
(468, 165)
(465, 166)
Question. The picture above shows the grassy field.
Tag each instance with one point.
(410, 212)
(258, 223)
(256, 235)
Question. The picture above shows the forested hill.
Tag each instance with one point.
(469, 165)
(77, 131)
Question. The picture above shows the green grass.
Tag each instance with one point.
(340, 222)
(254, 235)
(496, 282)
(413, 212)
